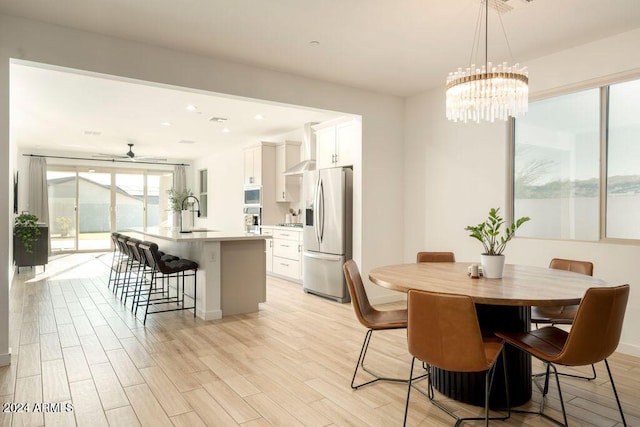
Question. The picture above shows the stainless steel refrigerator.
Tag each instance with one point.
(328, 195)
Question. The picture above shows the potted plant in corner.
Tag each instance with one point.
(488, 233)
(26, 229)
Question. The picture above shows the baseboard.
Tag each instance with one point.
(630, 349)
(5, 359)
(209, 315)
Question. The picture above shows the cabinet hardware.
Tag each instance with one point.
(283, 264)
(284, 246)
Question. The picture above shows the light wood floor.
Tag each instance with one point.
(289, 364)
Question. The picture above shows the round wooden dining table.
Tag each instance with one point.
(501, 304)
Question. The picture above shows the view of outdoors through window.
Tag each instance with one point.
(556, 167)
(623, 161)
(557, 162)
(102, 207)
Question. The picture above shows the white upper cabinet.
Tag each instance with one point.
(287, 187)
(336, 142)
(253, 165)
(325, 147)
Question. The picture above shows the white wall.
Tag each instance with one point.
(224, 191)
(378, 173)
(456, 172)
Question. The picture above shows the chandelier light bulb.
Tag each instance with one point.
(476, 94)
(487, 92)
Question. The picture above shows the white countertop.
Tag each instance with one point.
(174, 235)
(280, 227)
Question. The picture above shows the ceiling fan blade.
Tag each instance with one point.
(109, 156)
(153, 159)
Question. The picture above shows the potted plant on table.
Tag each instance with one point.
(26, 229)
(489, 234)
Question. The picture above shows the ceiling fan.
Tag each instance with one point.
(131, 155)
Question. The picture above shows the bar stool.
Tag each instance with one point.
(134, 269)
(123, 263)
(115, 259)
(178, 268)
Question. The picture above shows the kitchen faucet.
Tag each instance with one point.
(197, 210)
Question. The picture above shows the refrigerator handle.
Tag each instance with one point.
(316, 207)
(321, 211)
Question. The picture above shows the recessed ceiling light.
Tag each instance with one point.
(226, 130)
(186, 141)
(258, 117)
(93, 132)
(191, 107)
(166, 123)
(314, 43)
(217, 119)
(92, 170)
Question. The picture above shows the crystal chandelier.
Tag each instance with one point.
(488, 92)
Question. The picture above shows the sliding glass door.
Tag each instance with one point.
(86, 205)
(94, 210)
(157, 202)
(63, 189)
(129, 201)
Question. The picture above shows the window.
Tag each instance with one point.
(562, 162)
(623, 162)
(203, 193)
(86, 205)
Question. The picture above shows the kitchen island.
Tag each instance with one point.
(232, 267)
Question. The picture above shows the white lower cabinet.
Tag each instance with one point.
(284, 253)
(286, 267)
(269, 249)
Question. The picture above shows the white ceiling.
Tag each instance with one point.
(87, 115)
(399, 47)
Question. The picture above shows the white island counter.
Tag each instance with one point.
(232, 266)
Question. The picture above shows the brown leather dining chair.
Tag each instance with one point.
(435, 257)
(443, 332)
(371, 318)
(593, 337)
(563, 315)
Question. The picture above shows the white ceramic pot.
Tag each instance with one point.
(492, 266)
(174, 219)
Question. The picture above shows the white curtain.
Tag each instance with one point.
(179, 178)
(38, 193)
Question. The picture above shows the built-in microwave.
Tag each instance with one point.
(252, 196)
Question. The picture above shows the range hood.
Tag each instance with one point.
(300, 168)
(309, 147)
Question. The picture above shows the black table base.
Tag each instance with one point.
(469, 387)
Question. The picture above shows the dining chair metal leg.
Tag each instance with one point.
(377, 377)
(488, 385)
(545, 389)
(615, 393)
(406, 404)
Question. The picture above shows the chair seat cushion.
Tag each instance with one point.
(168, 257)
(385, 319)
(178, 265)
(492, 347)
(562, 315)
(544, 343)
